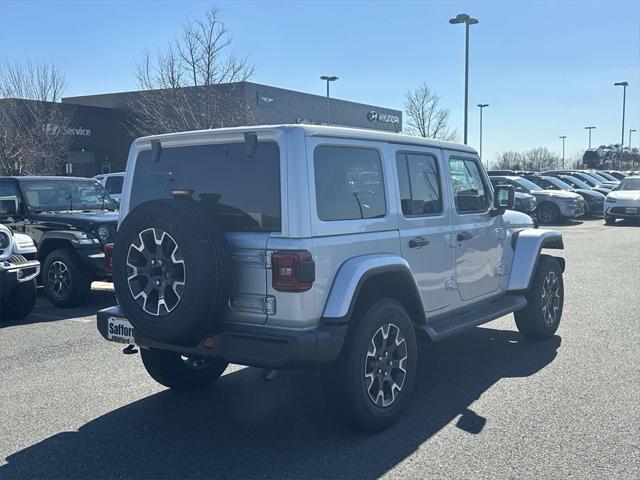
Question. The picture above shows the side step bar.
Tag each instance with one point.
(455, 322)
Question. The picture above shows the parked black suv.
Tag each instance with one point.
(69, 220)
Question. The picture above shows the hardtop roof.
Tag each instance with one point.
(324, 131)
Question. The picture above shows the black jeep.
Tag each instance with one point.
(69, 219)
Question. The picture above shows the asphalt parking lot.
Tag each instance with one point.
(487, 404)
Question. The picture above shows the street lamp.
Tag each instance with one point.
(467, 20)
(589, 128)
(624, 86)
(633, 159)
(482, 106)
(563, 138)
(328, 79)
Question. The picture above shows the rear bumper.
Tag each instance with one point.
(253, 345)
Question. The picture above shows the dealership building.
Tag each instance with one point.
(101, 139)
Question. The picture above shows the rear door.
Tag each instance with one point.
(241, 191)
(425, 224)
(477, 234)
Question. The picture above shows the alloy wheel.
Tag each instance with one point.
(550, 299)
(385, 367)
(59, 278)
(156, 272)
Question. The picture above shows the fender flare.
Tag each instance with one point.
(76, 239)
(527, 246)
(353, 274)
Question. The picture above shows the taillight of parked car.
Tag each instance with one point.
(293, 270)
(108, 251)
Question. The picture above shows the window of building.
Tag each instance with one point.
(419, 181)
(349, 183)
(471, 193)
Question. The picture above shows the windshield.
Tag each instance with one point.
(64, 194)
(558, 183)
(630, 184)
(608, 176)
(587, 179)
(596, 176)
(575, 182)
(526, 184)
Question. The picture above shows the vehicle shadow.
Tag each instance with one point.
(246, 427)
(45, 311)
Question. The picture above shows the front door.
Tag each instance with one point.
(425, 225)
(477, 234)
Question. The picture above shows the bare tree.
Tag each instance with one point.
(32, 120)
(199, 58)
(535, 160)
(425, 117)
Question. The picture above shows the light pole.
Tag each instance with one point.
(467, 20)
(328, 80)
(563, 138)
(633, 160)
(482, 106)
(624, 86)
(589, 128)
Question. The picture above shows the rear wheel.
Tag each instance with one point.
(548, 213)
(179, 371)
(370, 383)
(541, 317)
(65, 281)
(20, 301)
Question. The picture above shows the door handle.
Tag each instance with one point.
(463, 236)
(418, 242)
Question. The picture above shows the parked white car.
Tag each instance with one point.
(112, 183)
(623, 201)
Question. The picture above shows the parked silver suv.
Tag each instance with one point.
(309, 246)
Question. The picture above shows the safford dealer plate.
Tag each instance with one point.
(120, 330)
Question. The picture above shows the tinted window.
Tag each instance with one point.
(114, 184)
(242, 192)
(471, 194)
(9, 199)
(349, 183)
(419, 182)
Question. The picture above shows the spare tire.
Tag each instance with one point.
(171, 270)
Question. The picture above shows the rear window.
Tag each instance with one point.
(242, 192)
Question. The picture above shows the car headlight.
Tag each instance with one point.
(103, 232)
(4, 240)
(611, 199)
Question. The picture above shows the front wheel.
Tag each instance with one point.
(20, 301)
(65, 281)
(609, 220)
(181, 372)
(548, 213)
(370, 383)
(541, 317)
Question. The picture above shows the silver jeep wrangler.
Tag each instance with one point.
(18, 271)
(310, 246)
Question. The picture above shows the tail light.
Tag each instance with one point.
(293, 270)
(108, 258)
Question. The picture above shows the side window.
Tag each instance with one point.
(419, 182)
(349, 183)
(471, 194)
(114, 184)
(9, 200)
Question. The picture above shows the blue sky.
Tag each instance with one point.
(546, 68)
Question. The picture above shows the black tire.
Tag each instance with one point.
(609, 220)
(179, 372)
(345, 381)
(66, 282)
(20, 301)
(541, 317)
(184, 297)
(548, 212)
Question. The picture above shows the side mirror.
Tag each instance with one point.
(504, 197)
